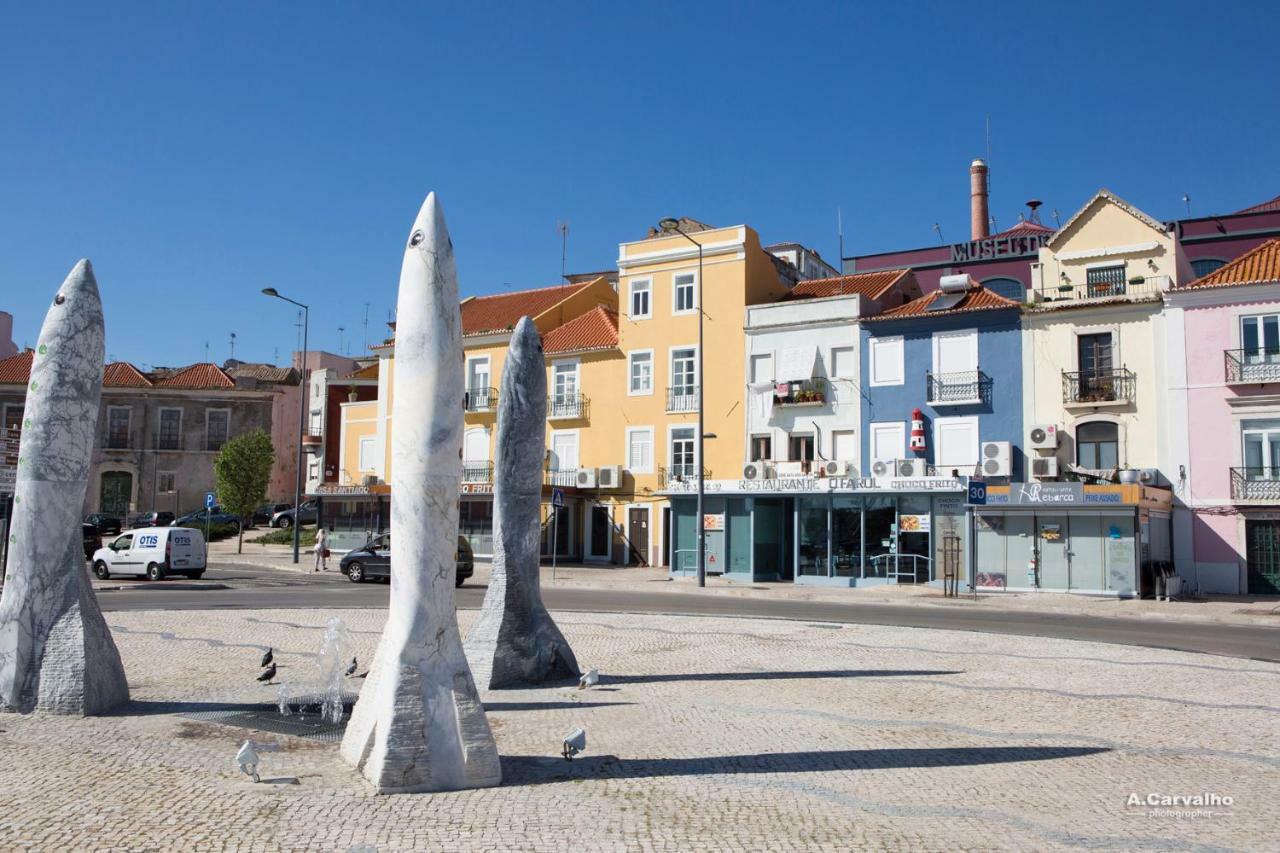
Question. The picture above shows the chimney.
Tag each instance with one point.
(979, 222)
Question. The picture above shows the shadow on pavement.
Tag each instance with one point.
(535, 770)
(547, 706)
(780, 675)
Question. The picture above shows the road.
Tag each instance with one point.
(249, 587)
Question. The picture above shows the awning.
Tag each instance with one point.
(795, 364)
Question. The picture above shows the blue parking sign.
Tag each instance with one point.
(209, 500)
(977, 492)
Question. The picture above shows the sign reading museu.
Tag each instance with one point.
(822, 485)
(999, 247)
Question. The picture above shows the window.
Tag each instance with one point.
(800, 447)
(217, 428)
(1260, 338)
(1204, 266)
(368, 453)
(762, 368)
(1098, 445)
(888, 440)
(842, 446)
(886, 361)
(170, 436)
(955, 444)
(684, 367)
(478, 373)
(640, 450)
(684, 293)
(761, 448)
(683, 452)
(1105, 281)
(165, 483)
(1009, 288)
(12, 416)
(955, 352)
(564, 451)
(640, 292)
(480, 394)
(1261, 449)
(842, 363)
(1093, 354)
(118, 418)
(640, 371)
(564, 382)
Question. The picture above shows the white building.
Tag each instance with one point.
(808, 263)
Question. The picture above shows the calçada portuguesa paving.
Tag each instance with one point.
(705, 733)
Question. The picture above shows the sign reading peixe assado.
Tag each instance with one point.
(1001, 247)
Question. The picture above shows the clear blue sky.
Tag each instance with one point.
(199, 154)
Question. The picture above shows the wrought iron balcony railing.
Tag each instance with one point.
(1256, 485)
(810, 392)
(956, 389)
(1137, 288)
(1252, 366)
(480, 400)
(169, 442)
(682, 398)
(568, 406)
(1098, 386)
(477, 471)
(681, 474)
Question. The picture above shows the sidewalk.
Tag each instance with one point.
(1237, 610)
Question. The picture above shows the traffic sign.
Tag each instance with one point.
(977, 492)
(209, 500)
(557, 498)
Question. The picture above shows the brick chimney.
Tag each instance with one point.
(979, 218)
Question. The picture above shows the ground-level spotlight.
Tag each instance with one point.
(574, 742)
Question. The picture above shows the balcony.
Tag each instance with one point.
(480, 400)
(1255, 485)
(117, 441)
(681, 474)
(1138, 289)
(965, 388)
(565, 478)
(682, 398)
(811, 392)
(568, 407)
(169, 443)
(1098, 387)
(1250, 367)
(312, 441)
(477, 471)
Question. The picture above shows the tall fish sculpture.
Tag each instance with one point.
(515, 642)
(56, 652)
(419, 724)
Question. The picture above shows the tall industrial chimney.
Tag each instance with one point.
(979, 221)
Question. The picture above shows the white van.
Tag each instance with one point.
(154, 552)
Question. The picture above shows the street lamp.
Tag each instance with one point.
(667, 226)
(302, 418)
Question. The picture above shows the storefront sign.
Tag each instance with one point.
(713, 521)
(1051, 494)
(1003, 247)
(477, 488)
(913, 523)
(820, 485)
(351, 491)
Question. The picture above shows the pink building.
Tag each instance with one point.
(1223, 337)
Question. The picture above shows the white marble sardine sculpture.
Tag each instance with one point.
(515, 642)
(56, 652)
(419, 724)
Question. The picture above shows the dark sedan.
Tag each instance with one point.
(374, 561)
(266, 512)
(215, 516)
(106, 525)
(151, 519)
(90, 538)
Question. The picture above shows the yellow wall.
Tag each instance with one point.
(359, 420)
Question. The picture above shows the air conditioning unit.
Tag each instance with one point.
(1044, 467)
(997, 459)
(882, 468)
(609, 476)
(910, 468)
(790, 469)
(1149, 476)
(758, 471)
(369, 480)
(585, 478)
(1043, 437)
(836, 468)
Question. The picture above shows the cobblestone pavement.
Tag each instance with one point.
(704, 734)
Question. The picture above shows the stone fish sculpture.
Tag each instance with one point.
(515, 642)
(419, 724)
(56, 652)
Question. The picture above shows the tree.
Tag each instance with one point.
(241, 472)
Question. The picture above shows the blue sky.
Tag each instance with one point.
(198, 154)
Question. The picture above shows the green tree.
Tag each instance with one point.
(241, 472)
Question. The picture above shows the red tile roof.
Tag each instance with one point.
(1022, 229)
(122, 374)
(198, 376)
(499, 312)
(16, 369)
(1265, 207)
(870, 284)
(975, 299)
(1258, 266)
(595, 330)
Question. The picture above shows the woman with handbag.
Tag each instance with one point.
(322, 551)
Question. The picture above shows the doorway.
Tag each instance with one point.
(1054, 551)
(117, 490)
(638, 534)
(1262, 556)
(601, 532)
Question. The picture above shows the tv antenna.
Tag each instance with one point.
(366, 328)
(340, 331)
(938, 228)
(233, 345)
(1186, 199)
(840, 237)
(562, 225)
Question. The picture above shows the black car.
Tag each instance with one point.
(151, 519)
(374, 561)
(304, 515)
(264, 513)
(91, 539)
(215, 516)
(106, 525)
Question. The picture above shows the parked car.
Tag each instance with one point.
(373, 560)
(264, 513)
(215, 516)
(154, 552)
(106, 525)
(92, 541)
(150, 519)
(304, 515)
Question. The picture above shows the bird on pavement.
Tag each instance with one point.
(268, 673)
(351, 670)
(267, 657)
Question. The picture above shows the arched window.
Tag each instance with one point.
(1098, 445)
(1204, 266)
(1009, 288)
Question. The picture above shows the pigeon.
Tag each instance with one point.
(351, 670)
(267, 657)
(268, 673)
(589, 679)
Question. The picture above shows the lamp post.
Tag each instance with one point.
(302, 418)
(670, 225)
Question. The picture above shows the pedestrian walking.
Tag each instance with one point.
(322, 550)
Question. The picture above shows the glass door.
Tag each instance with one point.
(1260, 339)
(1054, 550)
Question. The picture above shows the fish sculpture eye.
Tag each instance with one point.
(417, 238)
(59, 299)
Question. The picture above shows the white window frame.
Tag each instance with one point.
(640, 430)
(853, 363)
(875, 345)
(632, 286)
(371, 442)
(644, 392)
(693, 285)
(970, 421)
(128, 430)
(577, 446)
(853, 443)
(476, 359)
(207, 413)
(671, 364)
(484, 431)
(671, 428)
(576, 364)
(937, 338)
(875, 427)
(763, 356)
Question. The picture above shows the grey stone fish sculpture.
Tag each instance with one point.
(515, 642)
(419, 724)
(56, 652)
